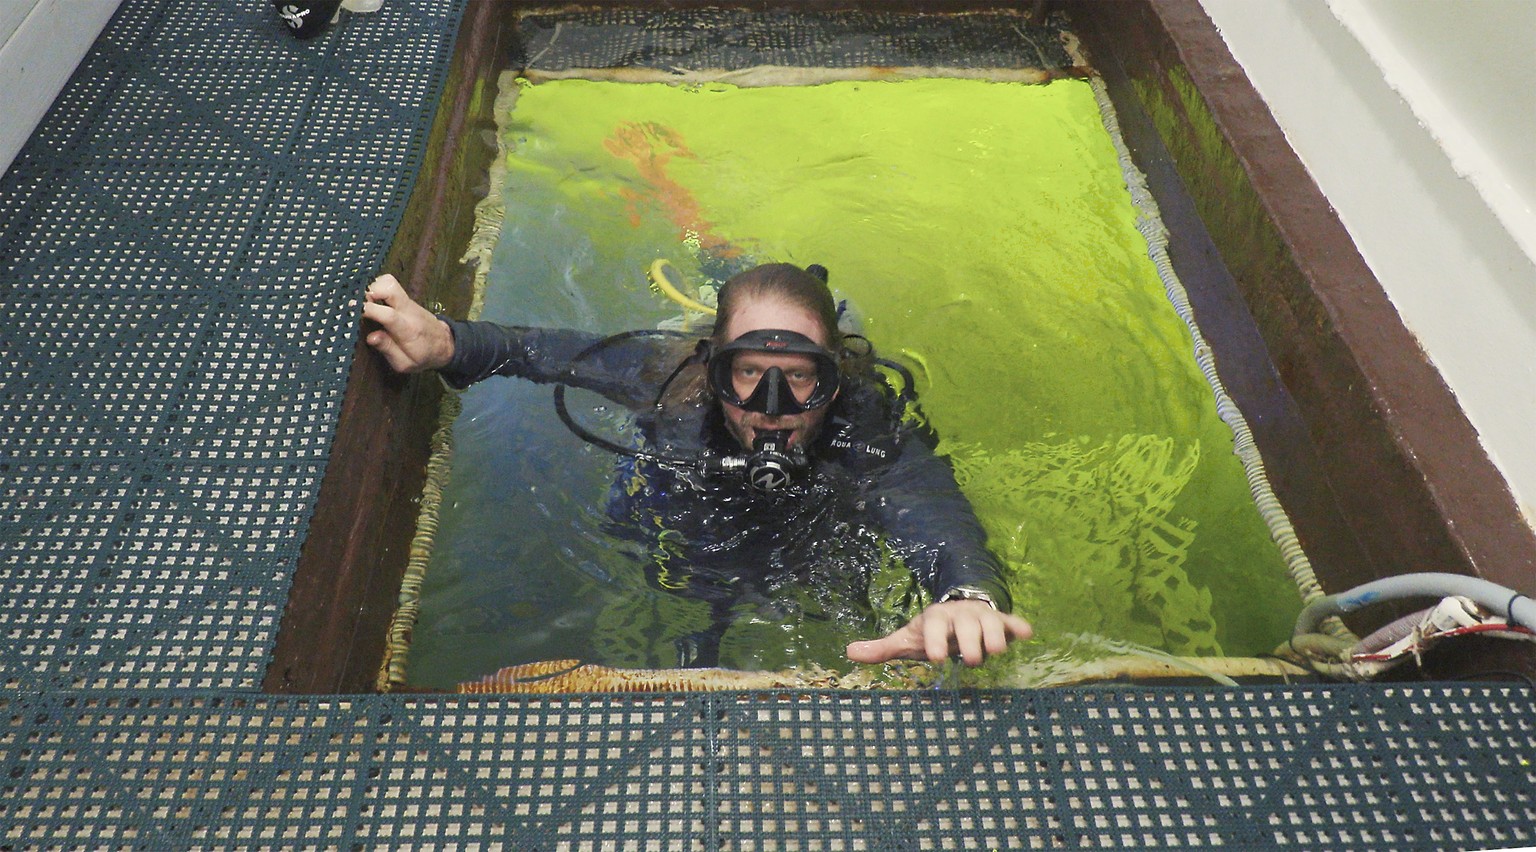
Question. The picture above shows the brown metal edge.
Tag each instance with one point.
(1292, 463)
(346, 586)
(1403, 465)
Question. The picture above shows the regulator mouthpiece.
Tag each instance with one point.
(772, 465)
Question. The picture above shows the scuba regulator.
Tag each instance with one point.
(771, 467)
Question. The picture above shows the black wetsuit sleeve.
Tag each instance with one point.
(545, 355)
(918, 502)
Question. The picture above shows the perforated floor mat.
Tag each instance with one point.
(179, 246)
(1317, 768)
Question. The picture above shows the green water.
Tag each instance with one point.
(985, 235)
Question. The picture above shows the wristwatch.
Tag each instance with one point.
(967, 593)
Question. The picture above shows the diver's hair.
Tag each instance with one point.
(783, 282)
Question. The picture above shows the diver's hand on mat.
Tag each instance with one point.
(411, 338)
(973, 629)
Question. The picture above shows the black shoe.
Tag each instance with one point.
(306, 18)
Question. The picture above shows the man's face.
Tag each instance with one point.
(748, 367)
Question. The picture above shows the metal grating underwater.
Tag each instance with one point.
(697, 39)
(180, 245)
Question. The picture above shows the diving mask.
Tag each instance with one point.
(774, 393)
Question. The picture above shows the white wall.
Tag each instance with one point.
(1417, 118)
(41, 42)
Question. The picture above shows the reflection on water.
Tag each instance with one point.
(983, 233)
(1071, 657)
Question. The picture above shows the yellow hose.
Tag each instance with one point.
(665, 280)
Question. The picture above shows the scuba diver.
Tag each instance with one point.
(764, 445)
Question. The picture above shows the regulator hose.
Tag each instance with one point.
(597, 440)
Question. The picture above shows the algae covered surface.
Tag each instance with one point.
(983, 235)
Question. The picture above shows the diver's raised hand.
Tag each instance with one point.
(972, 629)
(411, 338)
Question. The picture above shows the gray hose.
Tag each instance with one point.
(1514, 606)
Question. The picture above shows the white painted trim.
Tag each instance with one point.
(1407, 44)
(41, 43)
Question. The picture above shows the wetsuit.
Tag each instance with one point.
(717, 539)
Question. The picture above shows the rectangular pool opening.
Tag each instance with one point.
(995, 203)
(968, 188)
